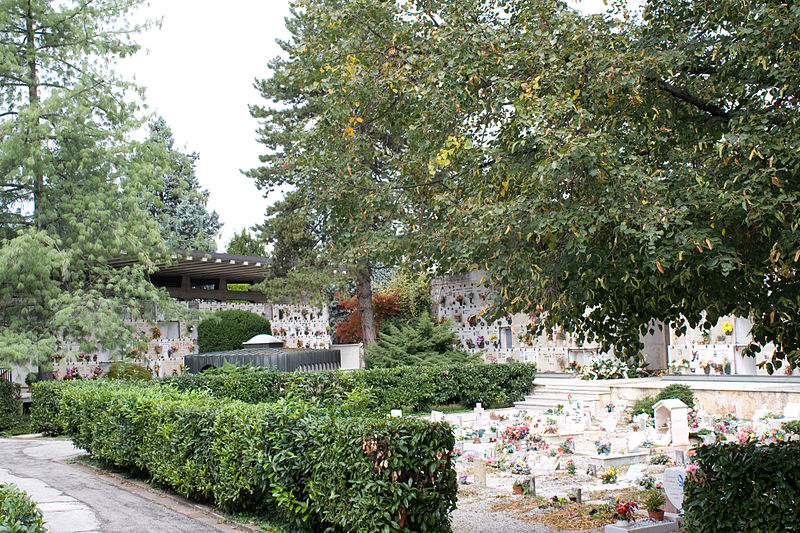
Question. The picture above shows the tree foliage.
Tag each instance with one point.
(421, 342)
(345, 129)
(178, 203)
(349, 330)
(243, 243)
(71, 191)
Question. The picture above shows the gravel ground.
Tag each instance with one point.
(473, 516)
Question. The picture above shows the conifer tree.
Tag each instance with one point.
(70, 188)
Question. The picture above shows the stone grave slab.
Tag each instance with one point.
(618, 459)
(642, 526)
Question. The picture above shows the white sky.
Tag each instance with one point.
(199, 69)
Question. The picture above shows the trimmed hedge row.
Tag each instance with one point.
(319, 468)
(414, 388)
(744, 487)
(10, 404)
(18, 513)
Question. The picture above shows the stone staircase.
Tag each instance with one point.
(549, 391)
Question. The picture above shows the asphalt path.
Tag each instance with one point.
(75, 498)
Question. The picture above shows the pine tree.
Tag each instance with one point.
(178, 203)
(71, 190)
(418, 343)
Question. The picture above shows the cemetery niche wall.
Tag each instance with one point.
(199, 281)
(463, 299)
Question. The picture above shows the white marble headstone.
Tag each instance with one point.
(635, 441)
(634, 472)
(396, 413)
(437, 416)
(673, 485)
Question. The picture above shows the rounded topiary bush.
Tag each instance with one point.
(31, 378)
(676, 390)
(227, 330)
(128, 372)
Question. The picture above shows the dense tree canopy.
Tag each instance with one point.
(608, 169)
(178, 203)
(243, 243)
(626, 169)
(343, 131)
(71, 190)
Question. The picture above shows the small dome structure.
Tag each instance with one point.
(264, 341)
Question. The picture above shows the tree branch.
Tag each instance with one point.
(689, 98)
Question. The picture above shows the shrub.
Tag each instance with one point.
(676, 390)
(10, 404)
(793, 426)
(18, 513)
(45, 397)
(420, 342)
(128, 372)
(321, 468)
(743, 487)
(227, 330)
(31, 378)
(644, 405)
(412, 388)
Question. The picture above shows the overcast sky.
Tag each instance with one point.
(199, 68)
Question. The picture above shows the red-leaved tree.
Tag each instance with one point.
(385, 306)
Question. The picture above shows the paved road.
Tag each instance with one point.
(75, 498)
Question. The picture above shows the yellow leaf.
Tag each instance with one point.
(507, 229)
(723, 232)
(529, 238)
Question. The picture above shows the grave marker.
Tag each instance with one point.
(673, 485)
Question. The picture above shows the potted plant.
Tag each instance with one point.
(654, 501)
(517, 488)
(623, 512)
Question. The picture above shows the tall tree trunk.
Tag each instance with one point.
(33, 100)
(369, 331)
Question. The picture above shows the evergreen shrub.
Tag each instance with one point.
(128, 372)
(743, 487)
(18, 513)
(10, 404)
(678, 391)
(320, 468)
(412, 388)
(227, 330)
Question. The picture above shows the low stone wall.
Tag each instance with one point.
(718, 397)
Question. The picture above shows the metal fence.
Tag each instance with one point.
(5, 374)
(285, 361)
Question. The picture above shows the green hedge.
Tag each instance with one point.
(410, 388)
(744, 487)
(10, 404)
(227, 330)
(18, 513)
(319, 468)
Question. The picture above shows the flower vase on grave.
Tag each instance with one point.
(707, 370)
